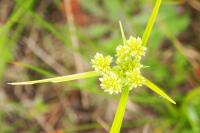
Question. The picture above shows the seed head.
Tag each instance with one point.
(127, 68)
(111, 83)
(101, 63)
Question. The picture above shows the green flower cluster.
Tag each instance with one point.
(126, 70)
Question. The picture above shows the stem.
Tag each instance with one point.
(151, 22)
(116, 126)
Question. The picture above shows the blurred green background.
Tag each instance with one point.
(47, 38)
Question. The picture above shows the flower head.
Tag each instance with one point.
(111, 83)
(101, 63)
(126, 71)
(135, 46)
(135, 78)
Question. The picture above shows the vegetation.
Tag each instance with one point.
(170, 66)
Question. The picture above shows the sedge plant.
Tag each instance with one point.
(121, 73)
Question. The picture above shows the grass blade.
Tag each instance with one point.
(157, 90)
(122, 33)
(35, 69)
(59, 79)
(151, 22)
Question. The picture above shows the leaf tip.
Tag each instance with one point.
(19, 83)
(10, 83)
(173, 101)
(122, 32)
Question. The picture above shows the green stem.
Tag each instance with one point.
(151, 22)
(116, 126)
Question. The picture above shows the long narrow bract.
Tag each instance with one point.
(60, 78)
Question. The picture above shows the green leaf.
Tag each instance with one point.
(191, 108)
(60, 79)
(41, 22)
(35, 69)
(6, 41)
(122, 33)
(172, 20)
(157, 90)
(151, 22)
(180, 65)
(193, 118)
